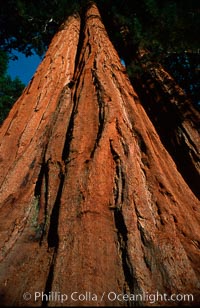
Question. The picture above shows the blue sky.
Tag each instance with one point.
(24, 67)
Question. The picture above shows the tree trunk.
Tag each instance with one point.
(176, 120)
(91, 202)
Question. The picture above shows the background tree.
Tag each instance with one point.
(10, 89)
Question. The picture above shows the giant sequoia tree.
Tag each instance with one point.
(91, 201)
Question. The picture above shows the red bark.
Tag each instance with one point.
(90, 199)
(176, 120)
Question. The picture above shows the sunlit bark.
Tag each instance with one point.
(91, 201)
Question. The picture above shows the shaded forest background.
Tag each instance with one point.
(144, 32)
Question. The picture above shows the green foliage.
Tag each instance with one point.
(10, 89)
(184, 68)
(29, 25)
(3, 62)
(155, 25)
(160, 27)
(169, 25)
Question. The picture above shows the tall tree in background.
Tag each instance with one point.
(90, 199)
(175, 118)
(10, 89)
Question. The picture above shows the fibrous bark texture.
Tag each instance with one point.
(91, 202)
(176, 121)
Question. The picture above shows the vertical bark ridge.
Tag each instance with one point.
(163, 99)
(34, 166)
(118, 215)
(148, 194)
(101, 109)
(118, 193)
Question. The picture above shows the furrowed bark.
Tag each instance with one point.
(109, 210)
(32, 139)
(176, 121)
